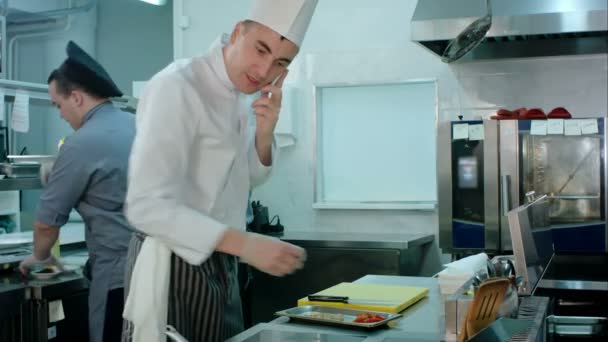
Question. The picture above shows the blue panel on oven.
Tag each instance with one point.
(468, 235)
(585, 239)
(470, 122)
(524, 125)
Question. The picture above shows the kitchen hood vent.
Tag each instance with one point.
(519, 28)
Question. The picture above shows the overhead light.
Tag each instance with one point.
(156, 2)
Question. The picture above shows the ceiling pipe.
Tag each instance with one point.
(156, 2)
(12, 54)
(62, 12)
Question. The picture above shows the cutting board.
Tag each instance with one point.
(404, 295)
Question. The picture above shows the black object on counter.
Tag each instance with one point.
(260, 223)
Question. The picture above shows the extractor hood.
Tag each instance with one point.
(520, 28)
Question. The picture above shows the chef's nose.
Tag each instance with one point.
(265, 68)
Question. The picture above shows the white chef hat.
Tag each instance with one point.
(289, 18)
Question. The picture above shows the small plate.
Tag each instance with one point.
(45, 273)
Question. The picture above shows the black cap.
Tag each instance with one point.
(83, 70)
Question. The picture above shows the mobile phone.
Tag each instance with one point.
(274, 83)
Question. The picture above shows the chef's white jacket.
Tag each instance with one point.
(194, 158)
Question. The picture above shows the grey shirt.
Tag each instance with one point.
(90, 174)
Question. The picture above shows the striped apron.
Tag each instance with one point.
(204, 301)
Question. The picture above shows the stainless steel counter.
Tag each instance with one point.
(10, 184)
(356, 240)
(333, 258)
(18, 288)
(422, 322)
(25, 303)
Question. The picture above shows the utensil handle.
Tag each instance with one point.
(505, 186)
(320, 298)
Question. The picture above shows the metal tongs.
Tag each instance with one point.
(174, 335)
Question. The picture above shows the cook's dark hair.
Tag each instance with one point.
(248, 23)
(65, 86)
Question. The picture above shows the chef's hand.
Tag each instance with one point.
(271, 255)
(30, 261)
(267, 109)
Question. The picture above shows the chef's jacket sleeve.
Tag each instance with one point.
(258, 172)
(66, 183)
(166, 128)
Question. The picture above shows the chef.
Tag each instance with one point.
(90, 175)
(194, 160)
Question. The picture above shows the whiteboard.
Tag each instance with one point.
(376, 145)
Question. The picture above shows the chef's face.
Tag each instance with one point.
(69, 104)
(256, 56)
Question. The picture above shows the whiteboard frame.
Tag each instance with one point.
(318, 187)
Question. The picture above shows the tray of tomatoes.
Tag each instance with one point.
(338, 316)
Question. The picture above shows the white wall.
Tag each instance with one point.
(134, 40)
(578, 83)
(36, 57)
(128, 50)
(361, 40)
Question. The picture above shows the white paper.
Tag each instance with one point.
(460, 131)
(56, 311)
(555, 126)
(572, 127)
(2, 105)
(589, 126)
(476, 132)
(469, 265)
(539, 127)
(20, 118)
(138, 88)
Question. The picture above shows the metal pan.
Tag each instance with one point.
(334, 316)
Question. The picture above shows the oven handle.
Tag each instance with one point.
(505, 195)
(562, 302)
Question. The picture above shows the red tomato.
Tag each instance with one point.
(368, 318)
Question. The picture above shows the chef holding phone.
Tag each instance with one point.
(191, 169)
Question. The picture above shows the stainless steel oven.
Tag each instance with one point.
(482, 177)
(577, 284)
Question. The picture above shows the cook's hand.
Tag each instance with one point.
(267, 109)
(271, 255)
(30, 261)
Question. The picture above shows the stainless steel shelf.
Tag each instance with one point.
(38, 91)
(11, 184)
(355, 240)
(34, 90)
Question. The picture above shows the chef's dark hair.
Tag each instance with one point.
(248, 23)
(64, 85)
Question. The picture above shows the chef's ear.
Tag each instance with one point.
(239, 28)
(77, 97)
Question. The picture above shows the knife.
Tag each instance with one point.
(347, 300)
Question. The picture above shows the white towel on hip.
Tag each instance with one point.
(148, 297)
